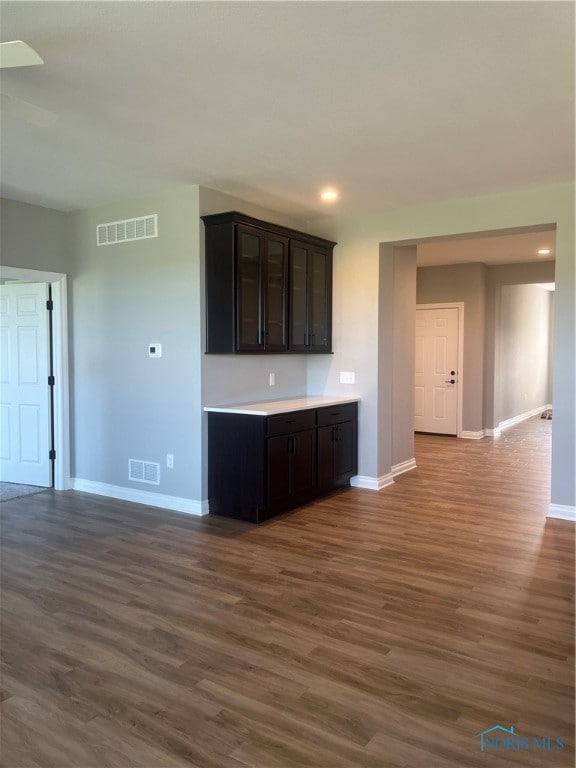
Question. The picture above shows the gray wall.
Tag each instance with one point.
(522, 376)
(564, 382)
(241, 378)
(125, 296)
(551, 346)
(32, 237)
(497, 277)
(396, 341)
(467, 283)
(403, 354)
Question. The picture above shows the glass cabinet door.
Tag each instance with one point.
(250, 336)
(276, 274)
(299, 297)
(310, 299)
(319, 278)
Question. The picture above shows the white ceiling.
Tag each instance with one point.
(500, 249)
(392, 102)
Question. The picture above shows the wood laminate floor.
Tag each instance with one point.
(366, 630)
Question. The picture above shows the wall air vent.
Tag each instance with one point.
(129, 229)
(144, 471)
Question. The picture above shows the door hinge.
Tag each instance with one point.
(49, 305)
(52, 454)
(51, 381)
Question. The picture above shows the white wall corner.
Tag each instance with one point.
(404, 466)
(173, 503)
(372, 483)
(496, 432)
(469, 435)
(562, 512)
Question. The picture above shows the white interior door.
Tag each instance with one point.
(24, 391)
(436, 371)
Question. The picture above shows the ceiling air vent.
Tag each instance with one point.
(144, 471)
(129, 229)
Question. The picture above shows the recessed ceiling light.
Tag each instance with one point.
(544, 251)
(329, 195)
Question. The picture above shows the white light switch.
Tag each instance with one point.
(347, 377)
(272, 380)
(155, 350)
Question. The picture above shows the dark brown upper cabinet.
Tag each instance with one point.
(268, 288)
(310, 298)
(261, 291)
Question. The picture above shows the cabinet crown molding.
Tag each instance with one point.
(235, 217)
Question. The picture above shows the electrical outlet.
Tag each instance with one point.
(170, 460)
(272, 380)
(347, 377)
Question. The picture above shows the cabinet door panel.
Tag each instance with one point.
(303, 462)
(276, 263)
(346, 454)
(298, 297)
(319, 306)
(279, 469)
(337, 454)
(249, 296)
(326, 457)
(291, 468)
(310, 298)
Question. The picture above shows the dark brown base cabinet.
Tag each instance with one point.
(259, 466)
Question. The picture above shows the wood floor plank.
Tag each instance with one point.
(366, 630)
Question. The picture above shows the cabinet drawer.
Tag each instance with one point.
(335, 414)
(284, 423)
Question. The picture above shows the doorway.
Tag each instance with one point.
(438, 370)
(61, 427)
(26, 455)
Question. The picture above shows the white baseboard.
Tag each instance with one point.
(404, 466)
(174, 503)
(523, 416)
(372, 483)
(497, 431)
(562, 512)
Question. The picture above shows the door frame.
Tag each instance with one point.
(59, 284)
(459, 305)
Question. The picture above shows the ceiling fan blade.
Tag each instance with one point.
(18, 54)
(29, 113)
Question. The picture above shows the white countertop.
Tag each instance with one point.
(271, 407)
